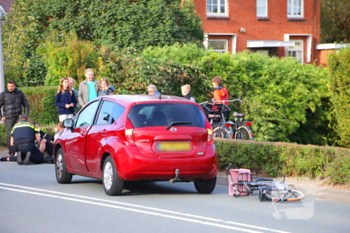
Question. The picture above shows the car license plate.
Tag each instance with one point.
(173, 146)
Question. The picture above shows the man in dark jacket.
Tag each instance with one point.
(11, 102)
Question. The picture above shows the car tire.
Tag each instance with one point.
(62, 175)
(205, 186)
(112, 184)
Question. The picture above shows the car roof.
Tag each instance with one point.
(147, 98)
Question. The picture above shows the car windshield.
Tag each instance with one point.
(165, 114)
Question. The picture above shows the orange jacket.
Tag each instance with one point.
(220, 94)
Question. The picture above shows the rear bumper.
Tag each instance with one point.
(132, 166)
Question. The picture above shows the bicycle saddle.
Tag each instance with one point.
(236, 114)
(214, 116)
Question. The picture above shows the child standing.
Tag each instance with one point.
(65, 100)
(105, 88)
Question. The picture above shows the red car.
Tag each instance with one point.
(120, 138)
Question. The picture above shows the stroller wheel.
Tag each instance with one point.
(236, 195)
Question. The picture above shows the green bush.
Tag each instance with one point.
(42, 104)
(131, 73)
(339, 64)
(285, 100)
(3, 135)
(339, 169)
(68, 58)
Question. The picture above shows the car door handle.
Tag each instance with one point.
(104, 132)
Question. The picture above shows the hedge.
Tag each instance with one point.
(276, 159)
(42, 104)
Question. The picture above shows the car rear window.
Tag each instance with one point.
(165, 114)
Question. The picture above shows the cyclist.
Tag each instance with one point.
(220, 92)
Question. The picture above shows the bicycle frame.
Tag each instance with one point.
(222, 126)
(242, 183)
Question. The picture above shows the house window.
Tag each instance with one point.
(261, 8)
(265, 53)
(295, 8)
(296, 51)
(218, 45)
(217, 7)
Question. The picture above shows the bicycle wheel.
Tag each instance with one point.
(244, 132)
(274, 195)
(221, 132)
(230, 130)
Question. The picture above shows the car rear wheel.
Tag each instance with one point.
(62, 175)
(112, 184)
(205, 186)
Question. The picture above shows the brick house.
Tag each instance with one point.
(277, 27)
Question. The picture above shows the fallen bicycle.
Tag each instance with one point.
(241, 182)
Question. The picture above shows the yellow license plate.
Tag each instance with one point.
(173, 146)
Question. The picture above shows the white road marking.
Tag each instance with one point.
(138, 208)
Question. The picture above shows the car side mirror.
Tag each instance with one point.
(68, 123)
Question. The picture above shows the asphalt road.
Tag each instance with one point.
(32, 201)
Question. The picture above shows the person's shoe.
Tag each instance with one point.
(19, 158)
(48, 160)
(26, 160)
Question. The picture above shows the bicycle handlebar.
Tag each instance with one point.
(221, 101)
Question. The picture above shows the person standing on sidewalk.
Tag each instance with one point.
(12, 102)
(65, 100)
(186, 92)
(152, 90)
(105, 87)
(71, 83)
(88, 89)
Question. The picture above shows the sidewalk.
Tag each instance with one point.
(307, 186)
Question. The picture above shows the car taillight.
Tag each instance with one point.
(248, 123)
(210, 136)
(128, 135)
(129, 129)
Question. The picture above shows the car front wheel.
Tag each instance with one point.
(112, 184)
(205, 186)
(62, 175)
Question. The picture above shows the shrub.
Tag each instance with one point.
(42, 104)
(339, 64)
(277, 159)
(339, 170)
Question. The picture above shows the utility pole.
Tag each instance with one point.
(2, 78)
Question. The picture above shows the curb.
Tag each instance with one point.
(325, 193)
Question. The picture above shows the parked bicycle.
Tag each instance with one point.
(218, 114)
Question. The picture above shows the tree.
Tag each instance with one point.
(335, 17)
(114, 24)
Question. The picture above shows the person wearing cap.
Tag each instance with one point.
(12, 103)
(23, 136)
